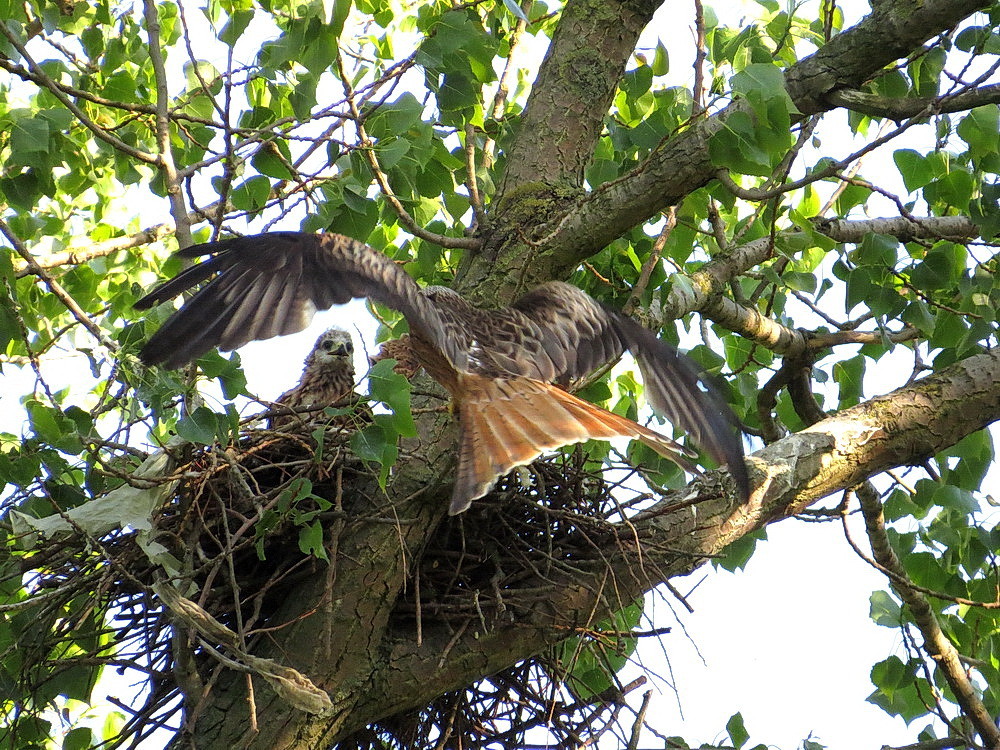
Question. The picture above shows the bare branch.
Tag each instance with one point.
(81, 253)
(182, 227)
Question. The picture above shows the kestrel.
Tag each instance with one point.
(506, 369)
(327, 377)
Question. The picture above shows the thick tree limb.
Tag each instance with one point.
(704, 289)
(900, 428)
(874, 105)
(571, 96)
(682, 164)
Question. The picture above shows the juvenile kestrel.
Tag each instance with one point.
(505, 369)
(327, 377)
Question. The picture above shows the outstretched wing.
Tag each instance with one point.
(559, 333)
(272, 284)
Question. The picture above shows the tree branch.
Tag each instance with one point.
(936, 644)
(45, 80)
(900, 428)
(571, 95)
(56, 288)
(671, 538)
(182, 227)
(80, 253)
(682, 163)
(874, 105)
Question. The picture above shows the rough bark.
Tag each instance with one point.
(576, 228)
(572, 93)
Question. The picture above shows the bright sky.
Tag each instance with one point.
(788, 642)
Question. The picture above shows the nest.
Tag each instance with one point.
(243, 526)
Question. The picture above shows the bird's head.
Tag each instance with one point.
(333, 346)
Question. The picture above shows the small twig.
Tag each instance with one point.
(503, 86)
(936, 643)
(471, 181)
(165, 162)
(650, 263)
(633, 742)
(831, 170)
(368, 148)
(56, 288)
(700, 56)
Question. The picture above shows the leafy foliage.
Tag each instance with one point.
(124, 130)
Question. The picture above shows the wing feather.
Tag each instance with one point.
(576, 334)
(271, 284)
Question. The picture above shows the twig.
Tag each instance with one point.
(182, 227)
(633, 742)
(368, 148)
(503, 87)
(650, 263)
(56, 288)
(471, 181)
(759, 194)
(700, 56)
(936, 644)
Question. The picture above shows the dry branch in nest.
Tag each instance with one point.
(240, 527)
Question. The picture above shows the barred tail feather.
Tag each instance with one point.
(509, 422)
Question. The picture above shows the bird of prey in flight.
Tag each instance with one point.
(327, 377)
(505, 369)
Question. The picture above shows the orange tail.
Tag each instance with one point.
(509, 422)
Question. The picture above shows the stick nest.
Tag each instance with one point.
(248, 521)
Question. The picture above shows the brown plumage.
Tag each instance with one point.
(400, 350)
(498, 365)
(327, 379)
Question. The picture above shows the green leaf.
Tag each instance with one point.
(941, 268)
(979, 129)
(273, 160)
(251, 195)
(394, 119)
(899, 690)
(884, 610)
(311, 540)
(849, 375)
(239, 19)
(737, 730)
(28, 134)
(199, 427)
(914, 168)
(591, 662)
(661, 60)
(737, 554)
(954, 189)
(393, 390)
(377, 443)
(80, 738)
